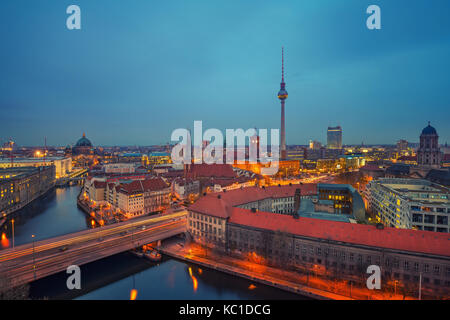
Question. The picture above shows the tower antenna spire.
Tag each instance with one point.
(282, 64)
(282, 95)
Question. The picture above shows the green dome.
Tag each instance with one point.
(83, 142)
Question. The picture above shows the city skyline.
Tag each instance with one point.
(131, 76)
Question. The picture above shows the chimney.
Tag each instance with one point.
(297, 199)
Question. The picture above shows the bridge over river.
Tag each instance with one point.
(32, 261)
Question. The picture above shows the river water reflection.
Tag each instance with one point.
(116, 276)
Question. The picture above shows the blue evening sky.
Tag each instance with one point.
(139, 69)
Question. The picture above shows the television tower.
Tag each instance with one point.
(282, 95)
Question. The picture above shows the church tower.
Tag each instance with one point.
(429, 154)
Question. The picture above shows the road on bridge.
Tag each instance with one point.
(33, 261)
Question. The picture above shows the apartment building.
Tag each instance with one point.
(410, 204)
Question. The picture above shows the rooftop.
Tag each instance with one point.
(211, 204)
(389, 238)
(25, 160)
(138, 186)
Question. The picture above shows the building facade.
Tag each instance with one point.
(339, 259)
(133, 198)
(410, 204)
(241, 223)
(334, 137)
(20, 186)
(429, 154)
(63, 165)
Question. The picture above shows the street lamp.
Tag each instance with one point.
(395, 287)
(34, 264)
(12, 222)
(420, 286)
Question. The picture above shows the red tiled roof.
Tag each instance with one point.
(99, 184)
(212, 170)
(137, 186)
(399, 239)
(212, 205)
(173, 174)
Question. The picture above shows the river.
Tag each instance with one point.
(113, 278)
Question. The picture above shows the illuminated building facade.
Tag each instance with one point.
(133, 197)
(298, 154)
(277, 199)
(156, 158)
(241, 223)
(20, 186)
(346, 200)
(63, 166)
(334, 137)
(402, 148)
(185, 187)
(315, 145)
(342, 251)
(410, 204)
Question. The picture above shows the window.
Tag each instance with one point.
(436, 269)
(396, 263)
(406, 265)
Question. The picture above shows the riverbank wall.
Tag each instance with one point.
(175, 251)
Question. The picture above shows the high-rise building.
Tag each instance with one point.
(282, 95)
(334, 137)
